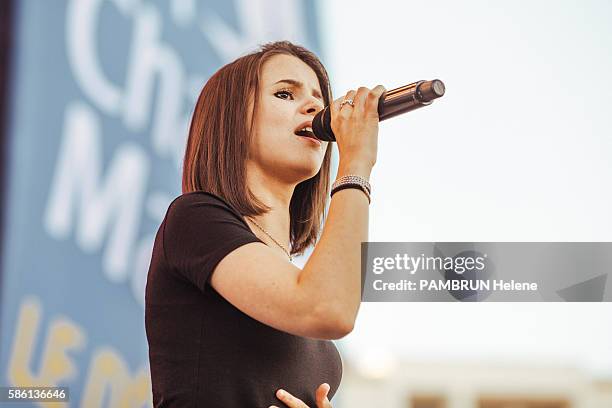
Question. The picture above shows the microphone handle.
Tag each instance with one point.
(391, 103)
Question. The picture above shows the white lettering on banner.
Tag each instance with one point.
(183, 11)
(150, 59)
(102, 201)
(81, 27)
(147, 58)
(115, 199)
(260, 21)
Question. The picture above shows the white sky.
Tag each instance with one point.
(519, 149)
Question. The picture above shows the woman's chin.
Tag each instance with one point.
(307, 170)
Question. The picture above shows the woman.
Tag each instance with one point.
(230, 321)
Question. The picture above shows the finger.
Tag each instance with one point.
(372, 100)
(321, 396)
(360, 100)
(346, 110)
(337, 102)
(341, 113)
(335, 105)
(290, 400)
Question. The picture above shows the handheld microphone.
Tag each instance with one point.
(391, 103)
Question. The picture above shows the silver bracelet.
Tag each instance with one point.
(352, 181)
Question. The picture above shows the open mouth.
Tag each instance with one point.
(306, 131)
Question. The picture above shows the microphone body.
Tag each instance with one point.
(391, 103)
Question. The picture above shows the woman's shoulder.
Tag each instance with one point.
(201, 202)
(199, 196)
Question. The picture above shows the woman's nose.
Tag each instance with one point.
(314, 105)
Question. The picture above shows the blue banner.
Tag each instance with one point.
(101, 97)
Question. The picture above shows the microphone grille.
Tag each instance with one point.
(430, 90)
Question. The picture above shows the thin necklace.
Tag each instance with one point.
(272, 238)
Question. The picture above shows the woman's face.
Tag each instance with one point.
(289, 98)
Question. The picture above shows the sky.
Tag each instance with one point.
(518, 149)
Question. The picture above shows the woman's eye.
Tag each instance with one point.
(288, 94)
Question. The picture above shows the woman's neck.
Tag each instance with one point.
(276, 194)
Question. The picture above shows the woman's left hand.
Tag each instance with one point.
(293, 402)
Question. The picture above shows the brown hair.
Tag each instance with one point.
(219, 136)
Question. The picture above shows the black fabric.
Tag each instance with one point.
(203, 351)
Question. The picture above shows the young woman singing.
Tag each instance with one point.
(230, 321)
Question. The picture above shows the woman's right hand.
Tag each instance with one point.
(356, 127)
(294, 402)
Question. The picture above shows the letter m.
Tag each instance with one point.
(96, 207)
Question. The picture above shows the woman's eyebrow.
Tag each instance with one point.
(299, 84)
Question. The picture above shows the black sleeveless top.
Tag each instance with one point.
(203, 351)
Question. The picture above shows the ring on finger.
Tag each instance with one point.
(347, 102)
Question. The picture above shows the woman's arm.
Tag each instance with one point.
(323, 298)
(332, 275)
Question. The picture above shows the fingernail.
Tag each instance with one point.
(280, 393)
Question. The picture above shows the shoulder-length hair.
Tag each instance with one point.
(219, 136)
